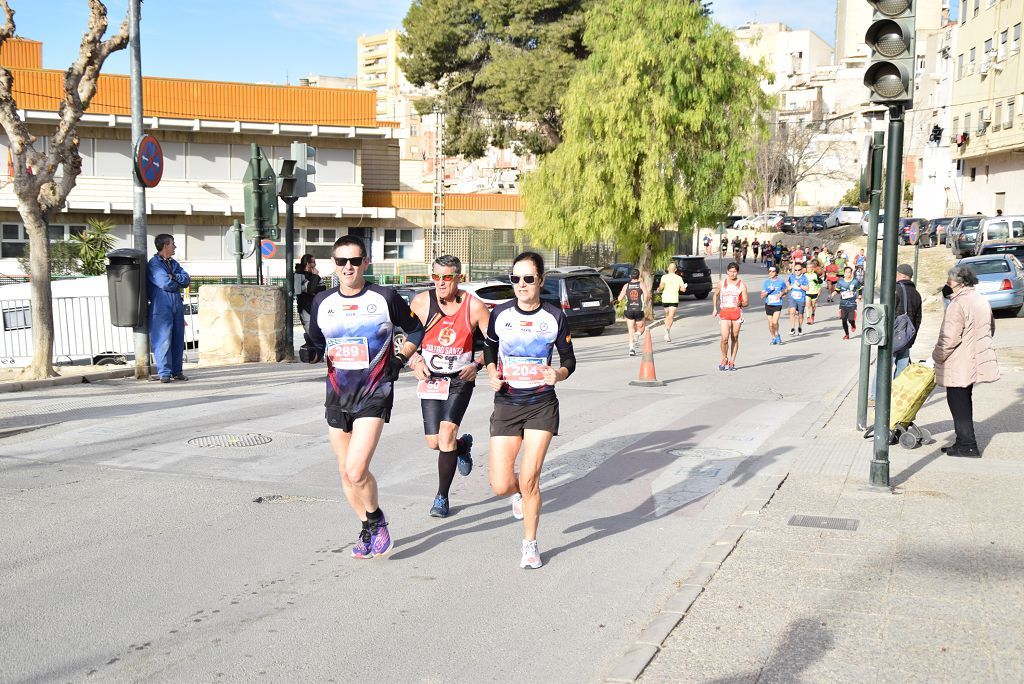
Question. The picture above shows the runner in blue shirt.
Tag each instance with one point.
(772, 291)
(848, 288)
(797, 285)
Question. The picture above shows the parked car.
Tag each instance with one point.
(925, 232)
(841, 216)
(1000, 280)
(583, 296)
(959, 224)
(491, 292)
(815, 222)
(770, 221)
(941, 228)
(791, 224)
(192, 322)
(1014, 248)
(1000, 229)
(617, 275)
(695, 273)
(967, 242)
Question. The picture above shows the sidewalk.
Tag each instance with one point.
(929, 586)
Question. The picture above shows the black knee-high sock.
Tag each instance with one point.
(846, 326)
(446, 462)
(460, 446)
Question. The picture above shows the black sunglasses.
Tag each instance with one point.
(355, 261)
(528, 279)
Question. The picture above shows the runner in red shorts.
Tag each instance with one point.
(729, 301)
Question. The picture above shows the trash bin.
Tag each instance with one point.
(126, 287)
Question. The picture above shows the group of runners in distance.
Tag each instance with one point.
(352, 326)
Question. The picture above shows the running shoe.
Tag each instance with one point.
(465, 460)
(362, 549)
(792, 332)
(668, 338)
(722, 366)
(853, 327)
(531, 555)
(846, 337)
(772, 342)
(380, 538)
(632, 351)
(440, 507)
(517, 506)
(799, 332)
(732, 366)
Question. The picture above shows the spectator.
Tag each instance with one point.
(307, 283)
(964, 356)
(166, 311)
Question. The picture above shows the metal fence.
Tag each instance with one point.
(82, 331)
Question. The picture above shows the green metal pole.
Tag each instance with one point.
(877, 151)
(883, 370)
(917, 253)
(289, 278)
(237, 228)
(257, 185)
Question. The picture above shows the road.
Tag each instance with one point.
(131, 555)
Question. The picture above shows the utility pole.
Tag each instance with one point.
(875, 155)
(141, 333)
(437, 220)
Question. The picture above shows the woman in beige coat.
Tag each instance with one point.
(964, 356)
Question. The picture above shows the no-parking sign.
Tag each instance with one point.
(268, 249)
(149, 161)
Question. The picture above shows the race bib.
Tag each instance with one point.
(774, 299)
(348, 353)
(434, 388)
(524, 371)
(848, 294)
(796, 295)
(730, 301)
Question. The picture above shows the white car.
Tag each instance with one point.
(866, 220)
(841, 216)
(766, 221)
(490, 292)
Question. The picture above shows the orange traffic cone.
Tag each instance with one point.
(648, 378)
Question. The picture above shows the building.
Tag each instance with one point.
(206, 130)
(788, 55)
(988, 105)
(377, 70)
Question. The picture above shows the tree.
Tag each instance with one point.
(42, 192)
(658, 124)
(63, 259)
(93, 245)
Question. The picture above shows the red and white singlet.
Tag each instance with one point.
(448, 344)
(729, 298)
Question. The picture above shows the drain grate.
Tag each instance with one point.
(250, 439)
(825, 522)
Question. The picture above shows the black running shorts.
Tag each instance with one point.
(510, 420)
(635, 314)
(377, 408)
(771, 310)
(450, 410)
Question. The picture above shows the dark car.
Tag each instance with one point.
(813, 223)
(617, 275)
(695, 273)
(967, 239)
(1014, 248)
(582, 295)
(960, 224)
(940, 227)
(925, 232)
(791, 224)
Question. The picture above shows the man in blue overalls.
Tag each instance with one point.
(166, 312)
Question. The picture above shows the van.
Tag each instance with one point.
(1000, 229)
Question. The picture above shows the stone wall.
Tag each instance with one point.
(241, 324)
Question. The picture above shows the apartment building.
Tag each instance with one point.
(787, 54)
(988, 105)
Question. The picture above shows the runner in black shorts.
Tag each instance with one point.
(635, 294)
(518, 349)
(447, 371)
(353, 326)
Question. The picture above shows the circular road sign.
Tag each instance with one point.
(913, 233)
(149, 161)
(268, 249)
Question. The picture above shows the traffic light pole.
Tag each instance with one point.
(289, 280)
(883, 370)
(877, 150)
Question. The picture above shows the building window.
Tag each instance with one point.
(988, 48)
(997, 122)
(320, 242)
(963, 11)
(1004, 37)
(397, 243)
(18, 318)
(12, 241)
(974, 173)
(960, 66)
(1010, 105)
(967, 124)
(414, 131)
(956, 127)
(1015, 44)
(977, 6)
(971, 60)
(982, 117)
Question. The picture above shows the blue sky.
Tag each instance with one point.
(271, 40)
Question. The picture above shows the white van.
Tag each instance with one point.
(82, 332)
(1008, 229)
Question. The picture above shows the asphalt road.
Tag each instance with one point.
(129, 554)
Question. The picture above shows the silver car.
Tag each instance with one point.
(1000, 280)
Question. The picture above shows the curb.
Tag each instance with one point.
(25, 385)
(648, 644)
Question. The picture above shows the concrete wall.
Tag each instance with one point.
(241, 324)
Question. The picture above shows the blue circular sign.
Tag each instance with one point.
(149, 161)
(268, 248)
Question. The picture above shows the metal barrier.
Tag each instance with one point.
(81, 331)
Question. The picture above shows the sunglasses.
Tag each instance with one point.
(528, 279)
(447, 277)
(355, 261)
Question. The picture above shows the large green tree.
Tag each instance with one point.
(497, 64)
(658, 128)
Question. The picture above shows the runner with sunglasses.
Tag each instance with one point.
(521, 336)
(446, 371)
(353, 326)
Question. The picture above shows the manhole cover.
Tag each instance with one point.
(250, 439)
(824, 522)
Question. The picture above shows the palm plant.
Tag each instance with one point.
(93, 244)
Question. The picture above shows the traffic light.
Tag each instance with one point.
(890, 37)
(874, 324)
(305, 167)
(259, 198)
(289, 185)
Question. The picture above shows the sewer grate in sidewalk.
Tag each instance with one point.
(824, 522)
(249, 439)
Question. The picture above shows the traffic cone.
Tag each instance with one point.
(648, 378)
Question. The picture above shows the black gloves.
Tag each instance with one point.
(395, 365)
(310, 354)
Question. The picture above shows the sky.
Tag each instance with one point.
(278, 40)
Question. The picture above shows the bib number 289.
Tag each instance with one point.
(348, 353)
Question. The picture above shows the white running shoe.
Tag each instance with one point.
(668, 337)
(632, 351)
(531, 555)
(517, 506)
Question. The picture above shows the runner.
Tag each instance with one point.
(848, 288)
(725, 245)
(746, 247)
(815, 277)
(730, 298)
(860, 261)
(841, 260)
(447, 371)
(797, 254)
(831, 277)
(671, 285)
(755, 247)
(771, 292)
(769, 256)
(635, 294)
(797, 287)
(353, 325)
(520, 338)
(707, 245)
